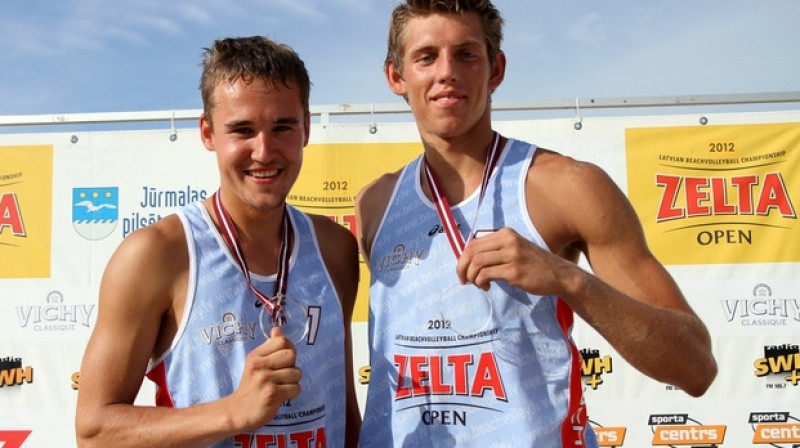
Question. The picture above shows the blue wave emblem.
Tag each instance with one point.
(95, 211)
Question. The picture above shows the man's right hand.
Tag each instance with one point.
(270, 378)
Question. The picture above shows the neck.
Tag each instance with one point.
(259, 232)
(458, 165)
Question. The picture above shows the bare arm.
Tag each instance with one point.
(143, 280)
(631, 300)
(340, 252)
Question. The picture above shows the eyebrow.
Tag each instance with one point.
(281, 120)
(427, 48)
(237, 123)
(286, 120)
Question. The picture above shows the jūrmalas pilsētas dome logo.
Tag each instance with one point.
(95, 211)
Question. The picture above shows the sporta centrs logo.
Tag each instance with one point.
(682, 430)
(772, 428)
(609, 436)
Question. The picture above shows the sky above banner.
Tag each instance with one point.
(77, 56)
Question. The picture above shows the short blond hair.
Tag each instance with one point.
(491, 21)
(248, 59)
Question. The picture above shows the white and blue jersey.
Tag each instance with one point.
(220, 326)
(514, 382)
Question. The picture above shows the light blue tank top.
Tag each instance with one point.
(220, 327)
(515, 381)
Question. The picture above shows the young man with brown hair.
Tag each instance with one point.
(238, 307)
(470, 336)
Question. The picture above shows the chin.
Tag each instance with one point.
(266, 204)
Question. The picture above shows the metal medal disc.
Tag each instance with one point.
(296, 326)
(466, 309)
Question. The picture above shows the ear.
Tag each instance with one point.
(206, 132)
(394, 78)
(498, 71)
(307, 129)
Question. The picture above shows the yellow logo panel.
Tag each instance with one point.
(717, 194)
(26, 190)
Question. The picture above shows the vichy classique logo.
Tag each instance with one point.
(400, 259)
(763, 309)
(229, 331)
(55, 315)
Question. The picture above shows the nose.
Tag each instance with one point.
(446, 68)
(262, 148)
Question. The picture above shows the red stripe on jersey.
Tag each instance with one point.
(573, 428)
(159, 376)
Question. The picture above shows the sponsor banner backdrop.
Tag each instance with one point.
(717, 202)
(331, 176)
(26, 179)
(717, 194)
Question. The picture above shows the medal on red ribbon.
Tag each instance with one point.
(464, 308)
(275, 306)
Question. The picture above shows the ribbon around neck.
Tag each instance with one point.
(448, 221)
(273, 305)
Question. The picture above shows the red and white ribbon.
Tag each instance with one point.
(273, 305)
(454, 236)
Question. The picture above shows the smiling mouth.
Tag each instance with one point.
(263, 174)
(448, 97)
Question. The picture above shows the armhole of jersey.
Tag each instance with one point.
(523, 196)
(190, 290)
(388, 205)
(313, 232)
(296, 246)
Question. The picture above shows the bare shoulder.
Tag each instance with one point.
(340, 254)
(549, 166)
(370, 205)
(377, 192)
(331, 234)
(559, 178)
(158, 244)
(157, 253)
(571, 201)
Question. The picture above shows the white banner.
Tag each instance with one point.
(68, 199)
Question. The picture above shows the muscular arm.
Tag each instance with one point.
(142, 280)
(340, 252)
(630, 299)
